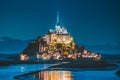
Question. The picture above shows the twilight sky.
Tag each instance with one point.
(88, 21)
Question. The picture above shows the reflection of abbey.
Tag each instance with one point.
(57, 44)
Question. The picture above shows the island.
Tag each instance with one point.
(57, 45)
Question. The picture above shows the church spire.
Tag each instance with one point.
(58, 28)
(58, 17)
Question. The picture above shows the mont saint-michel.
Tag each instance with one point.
(57, 44)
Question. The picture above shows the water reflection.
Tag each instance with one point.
(47, 75)
(53, 75)
(22, 68)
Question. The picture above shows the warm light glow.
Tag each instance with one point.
(58, 44)
(54, 75)
(24, 57)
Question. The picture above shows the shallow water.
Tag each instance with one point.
(71, 75)
(8, 72)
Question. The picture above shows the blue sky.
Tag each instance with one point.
(88, 21)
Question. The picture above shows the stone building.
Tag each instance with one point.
(56, 44)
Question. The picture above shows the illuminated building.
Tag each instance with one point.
(56, 44)
(24, 57)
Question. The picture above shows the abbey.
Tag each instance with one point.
(57, 44)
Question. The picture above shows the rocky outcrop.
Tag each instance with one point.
(57, 44)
